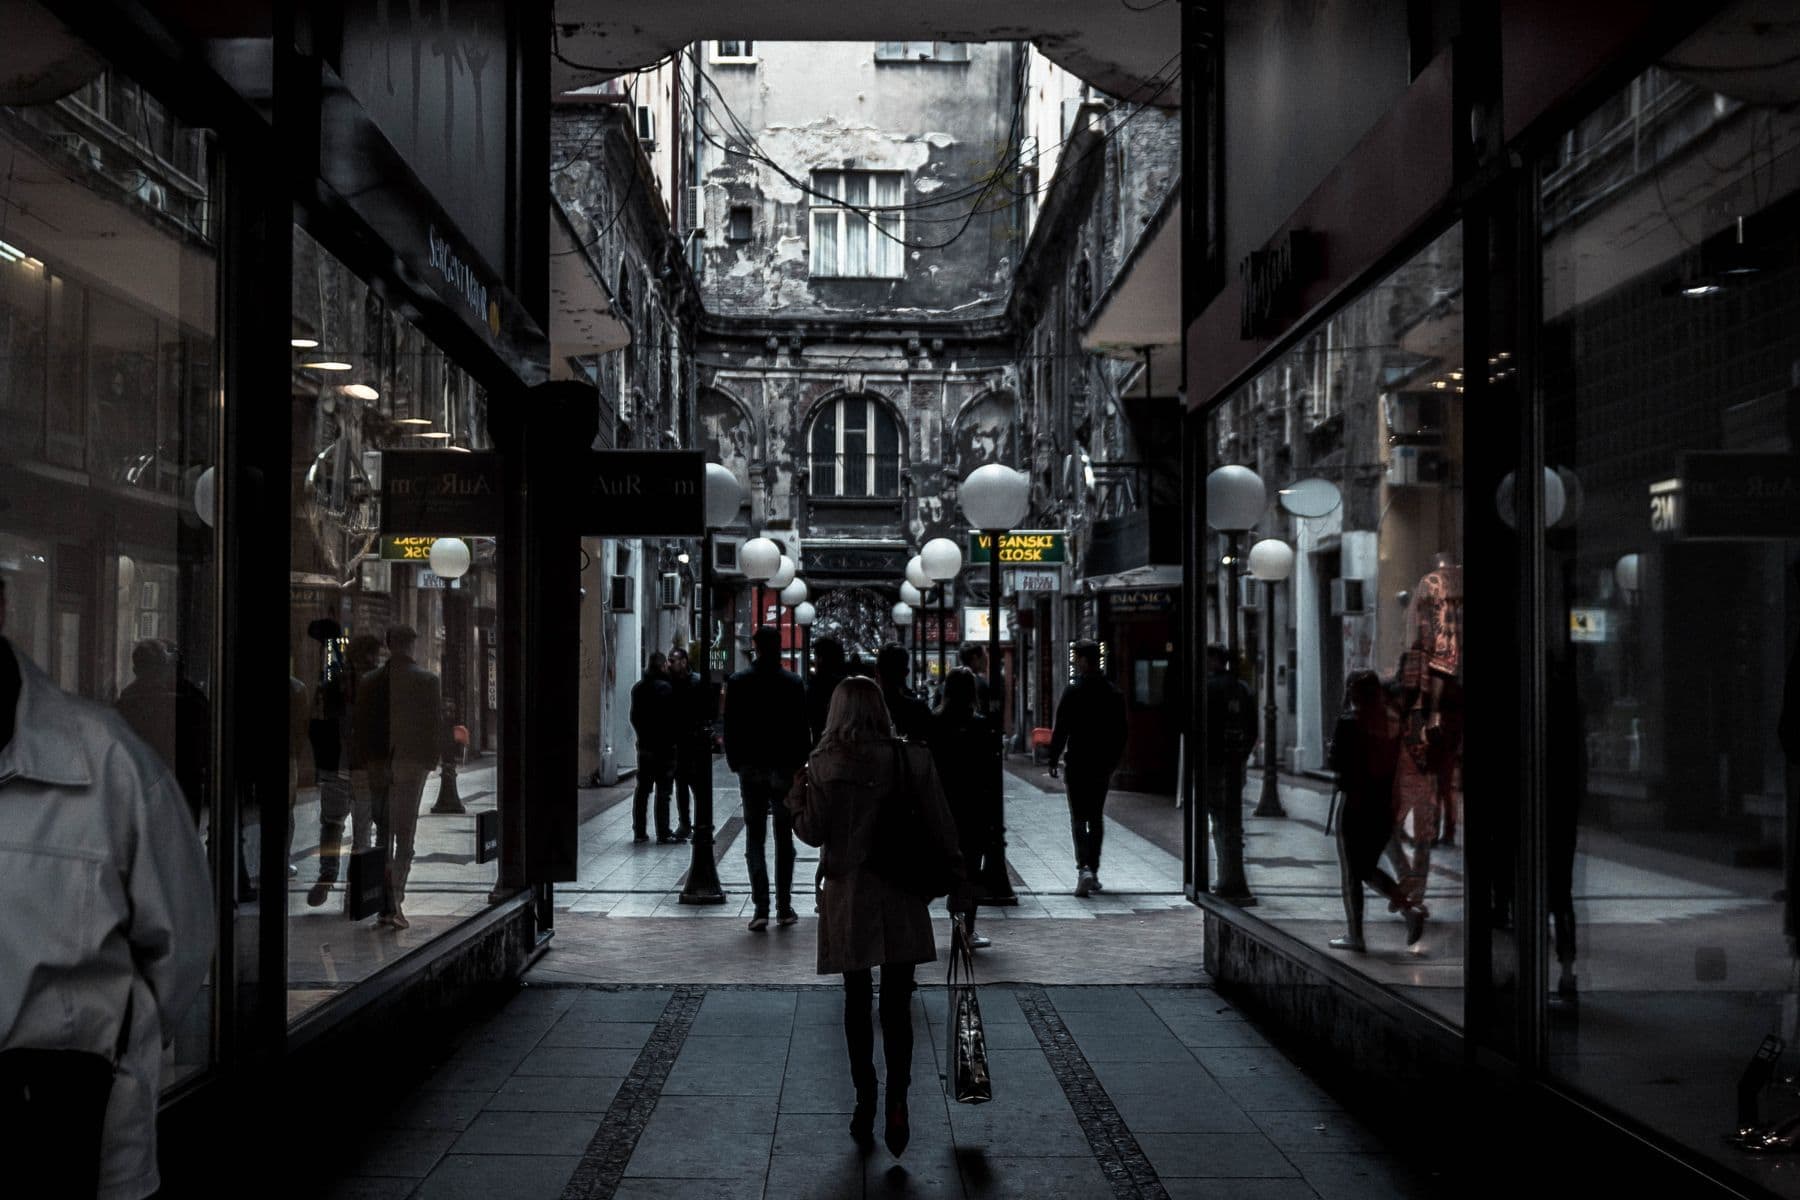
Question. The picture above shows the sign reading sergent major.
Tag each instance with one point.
(1022, 547)
(618, 493)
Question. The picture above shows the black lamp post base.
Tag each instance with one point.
(449, 800)
(703, 875)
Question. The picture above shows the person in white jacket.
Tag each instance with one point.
(107, 936)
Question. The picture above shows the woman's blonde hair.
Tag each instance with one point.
(858, 714)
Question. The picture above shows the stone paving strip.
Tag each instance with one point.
(740, 1092)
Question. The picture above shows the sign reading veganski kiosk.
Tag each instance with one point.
(1022, 547)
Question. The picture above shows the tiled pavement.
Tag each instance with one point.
(740, 1093)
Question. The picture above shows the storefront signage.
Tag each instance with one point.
(464, 282)
(1273, 279)
(405, 547)
(1728, 496)
(644, 493)
(1022, 547)
(440, 494)
(1033, 581)
(1587, 625)
(975, 624)
(1139, 604)
(487, 835)
(1665, 506)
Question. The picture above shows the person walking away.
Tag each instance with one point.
(1365, 752)
(414, 701)
(107, 938)
(349, 799)
(766, 741)
(653, 720)
(974, 656)
(1231, 729)
(912, 716)
(828, 671)
(865, 920)
(1090, 726)
(693, 738)
(963, 747)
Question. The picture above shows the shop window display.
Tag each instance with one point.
(1335, 598)
(109, 389)
(393, 647)
(1671, 380)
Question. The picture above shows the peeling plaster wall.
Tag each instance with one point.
(831, 105)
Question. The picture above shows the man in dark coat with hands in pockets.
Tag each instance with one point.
(1090, 725)
(766, 741)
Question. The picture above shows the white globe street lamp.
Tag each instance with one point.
(995, 498)
(903, 614)
(911, 594)
(1271, 560)
(805, 614)
(915, 573)
(450, 558)
(795, 593)
(724, 496)
(1235, 499)
(759, 558)
(783, 574)
(942, 559)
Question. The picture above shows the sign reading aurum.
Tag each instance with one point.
(644, 493)
(436, 493)
(1022, 547)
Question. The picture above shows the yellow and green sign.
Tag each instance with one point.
(402, 547)
(1022, 547)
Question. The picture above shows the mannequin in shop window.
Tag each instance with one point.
(1431, 702)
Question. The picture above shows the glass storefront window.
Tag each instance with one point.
(1671, 380)
(1354, 442)
(109, 394)
(394, 668)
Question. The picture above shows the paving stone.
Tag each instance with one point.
(1195, 1033)
(923, 1173)
(1215, 1155)
(369, 1189)
(822, 1174)
(746, 1188)
(1004, 1177)
(438, 1109)
(407, 1153)
(622, 1006)
(574, 1031)
(1257, 1093)
(732, 1114)
(555, 1093)
(1239, 1189)
(529, 1133)
(498, 1177)
(1359, 1176)
(1131, 1048)
(673, 1149)
(1266, 1061)
(1323, 1131)
(813, 1132)
(595, 1062)
(474, 1074)
(1162, 1079)
(1071, 1000)
(739, 1014)
(1197, 1109)
(996, 1130)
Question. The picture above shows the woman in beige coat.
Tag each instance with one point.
(865, 921)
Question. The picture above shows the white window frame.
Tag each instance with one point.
(871, 457)
(715, 54)
(646, 124)
(884, 52)
(853, 221)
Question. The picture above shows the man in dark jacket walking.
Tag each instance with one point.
(653, 719)
(403, 704)
(696, 707)
(766, 741)
(1090, 725)
(912, 716)
(828, 671)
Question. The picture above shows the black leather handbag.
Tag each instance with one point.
(969, 1078)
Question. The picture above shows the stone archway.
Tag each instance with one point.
(859, 617)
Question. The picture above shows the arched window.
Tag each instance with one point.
(855, 449)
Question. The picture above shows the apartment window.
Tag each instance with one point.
(739, 228)
(855, 449)
(850, 240)
(943, 52)
(734, 52)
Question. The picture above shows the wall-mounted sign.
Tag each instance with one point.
(1033, 581)
(1273, 279)
(1665, 506)
(440, 494)
(1587, 625)
(643, 493)
(487, 835)
(1022, 547)
(975, 623)
(1138, 604)
(1729, 496)
(407, 547)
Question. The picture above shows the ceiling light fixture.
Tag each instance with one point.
(412, 420)
(326, 365)
(304, 343)
(434, 433)
(361, 391)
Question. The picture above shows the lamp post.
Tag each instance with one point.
(1271, 560)
(450, 559)
(995, 499)
(903, 618)
(942, 560)
(724, 496)
(804, 616)
(913, 598)
(922, 583)
(1235, 499)
(792, 597)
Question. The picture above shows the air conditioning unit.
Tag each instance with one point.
(668, 589)
(1250, 593)
(618, 592)
(696, 213)
(1077, 111)
(725, 555)
(1414, 466)
(646, 124)
(1348, 596)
